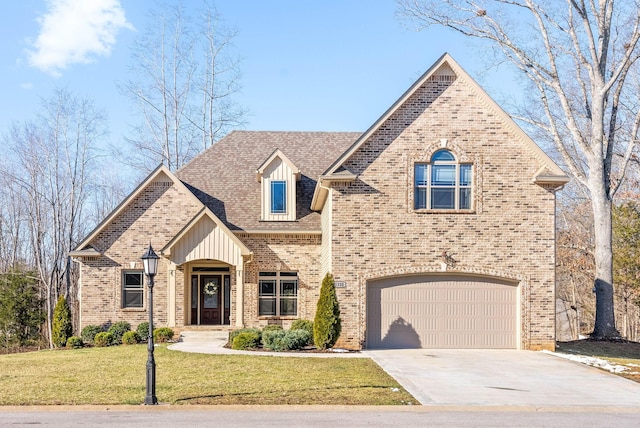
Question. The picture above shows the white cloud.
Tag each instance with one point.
(75, 32)
(27, 86)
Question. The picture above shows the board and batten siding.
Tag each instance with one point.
(205, 240)
(278, 171)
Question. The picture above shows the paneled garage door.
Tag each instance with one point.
(441, 312)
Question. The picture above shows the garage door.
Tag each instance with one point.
(441, 312)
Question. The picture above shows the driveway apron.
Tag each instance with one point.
(503, 378)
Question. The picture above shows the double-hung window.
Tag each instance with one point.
(278, 294)
(442, 184)
(132, 289)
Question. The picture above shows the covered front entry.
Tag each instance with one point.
(210, 296)
(431, 311)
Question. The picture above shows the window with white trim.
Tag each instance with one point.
(132, 289)
(443, 183)
(278, 197)
(278, 294)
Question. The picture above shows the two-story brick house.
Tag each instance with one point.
(438, 224)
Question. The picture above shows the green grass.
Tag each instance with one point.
(116, 375)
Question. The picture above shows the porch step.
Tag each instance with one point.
(203, 336)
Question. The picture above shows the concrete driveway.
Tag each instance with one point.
(503, 378)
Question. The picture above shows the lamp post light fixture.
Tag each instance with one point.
(150, 262)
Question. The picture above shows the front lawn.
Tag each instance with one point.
(116, 375)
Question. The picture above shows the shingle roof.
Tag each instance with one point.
(224, 176)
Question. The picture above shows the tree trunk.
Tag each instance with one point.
(605, 324)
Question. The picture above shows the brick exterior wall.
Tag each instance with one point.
(295, 253)
(509, 234)
(156, 215)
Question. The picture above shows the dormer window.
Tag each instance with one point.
(278, 197)
(278, 176)
(443, 183)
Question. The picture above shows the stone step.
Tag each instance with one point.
(203, 336)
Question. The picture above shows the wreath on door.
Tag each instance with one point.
(210, 288)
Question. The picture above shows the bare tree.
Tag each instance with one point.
(183, 82)
(49, 171)
(582, 59)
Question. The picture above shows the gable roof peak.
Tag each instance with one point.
(277, 154)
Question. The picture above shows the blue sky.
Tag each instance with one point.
(331, 65)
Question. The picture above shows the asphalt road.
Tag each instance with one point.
(317, 416)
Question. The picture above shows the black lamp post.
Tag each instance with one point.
(150, 261)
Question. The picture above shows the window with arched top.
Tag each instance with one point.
(443, 183)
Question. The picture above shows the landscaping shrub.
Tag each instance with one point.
(74, 342)
(61, 328)
(89, 333)
(130, 338)
(162, 334)
(272, 327)
(118, 329)
(304, 325)
(234, 333)
(280, 340)
(273, 339)
(247, 339)
(102, 339)
(327, 324)
(143, 330)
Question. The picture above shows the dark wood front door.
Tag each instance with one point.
(211, 302)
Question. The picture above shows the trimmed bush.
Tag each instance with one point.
(162, 334)
(143, 330)
(297, 339)
(74, 342)
(246, 340)
(118, 329)
(89, 333)
(272, 327)
(61, 328)
(327, 325)
(274, 339)
(304, 325)
(234, 333)
(102, 339)
(280, 340)
(130, 338)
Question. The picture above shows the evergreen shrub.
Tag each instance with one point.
(327, 324)
(89, 333)
(246, 340)
(118, 329)
(102, 339)
(162, 334)
(74, 342)
(130, 338)
(234, 333)
(143, 330)
(304, 325)
(61, 328)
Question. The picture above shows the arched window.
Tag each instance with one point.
(443, 183)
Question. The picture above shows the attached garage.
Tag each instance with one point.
(442, 312)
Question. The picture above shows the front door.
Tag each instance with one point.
(211, 312)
